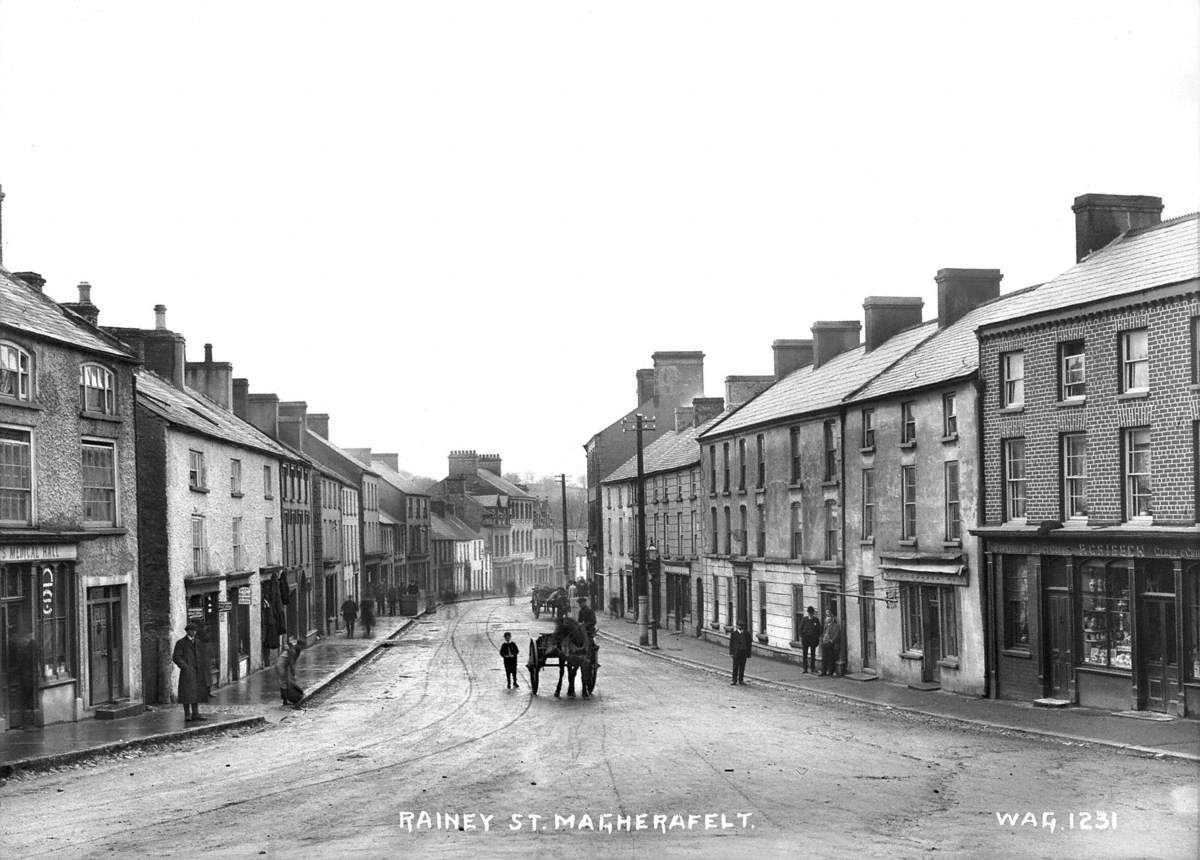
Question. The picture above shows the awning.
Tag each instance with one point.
(932, 568)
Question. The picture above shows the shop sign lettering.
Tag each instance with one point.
(224, 606)
(47, 591)
(38, 552)
(244, 595)
(195, 613)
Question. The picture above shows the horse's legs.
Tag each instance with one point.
(571, 670)
(558, 689)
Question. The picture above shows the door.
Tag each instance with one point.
(866, 608)
(104, 645)
(742, 608)
(931, 621)
(331, 604)
(1059, 651)
(700, 602)
(1160, 662)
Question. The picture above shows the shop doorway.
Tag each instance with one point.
(105, 652)
(1059, 653)
(1160, 661)
(931, 622)
(700, 602)
(331, 603)
(866, 609)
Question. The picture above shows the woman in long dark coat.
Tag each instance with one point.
(188, 656)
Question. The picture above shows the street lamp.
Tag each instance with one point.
(641, 422)
(652, 567)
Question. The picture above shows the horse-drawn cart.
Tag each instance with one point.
(547, 598)
(569, 649)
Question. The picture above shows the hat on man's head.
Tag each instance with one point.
(581, 600)
(191, 625)
(812, 609)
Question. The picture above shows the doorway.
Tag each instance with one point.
(743, 602)
(1059, 653)
(105, 652)
(1160, 661)
(931, 623)
(866, 609)
(700, 602)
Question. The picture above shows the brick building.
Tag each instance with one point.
(1090, 449)
(69, 573)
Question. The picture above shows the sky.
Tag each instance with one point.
(466, 225)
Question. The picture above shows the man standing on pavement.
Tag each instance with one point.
(187, 657)
(739, 650)
(831, 642)
(810, 638)
(349, 615)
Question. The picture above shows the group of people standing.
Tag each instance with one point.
(813, 633)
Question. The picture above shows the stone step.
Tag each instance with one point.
(925, 686)
(1051, 703)
(118, 710)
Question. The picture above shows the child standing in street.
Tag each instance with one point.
(509, 652)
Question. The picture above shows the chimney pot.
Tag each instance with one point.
(160, 317)
(85, 293)
(1100, 218)
(208, 353)
(960, 291)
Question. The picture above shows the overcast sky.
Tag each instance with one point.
(466, 225)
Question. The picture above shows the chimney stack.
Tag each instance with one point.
(160, 317)
(960, 291)
(685, 416)
(84, 306)
(705, 409)
(392, 461)
(261, 410)
(293, 415)
(363, 455)
(161, 350)
(678, 377)
(318, 422)
(213, 379)
(463, 464)
(491, 462)
(739, 389)
(833, 337)
(1100, 218)
(33, 279)
(241, 390)
(645, 385)
(791, 355)
(888, 315)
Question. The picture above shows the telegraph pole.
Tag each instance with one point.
(642, 422)
(567, 575)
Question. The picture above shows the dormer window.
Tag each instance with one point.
(14, 371)
(97, 391)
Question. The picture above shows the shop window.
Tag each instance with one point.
(1014, 479)
(97, 391)
(1012, 380)
(911, 622)
(762, 608)
(55, 588)
(14, 371)
(1074, 478)
(797, 610)
(1072, 371)
(1016, 603)
(99, 483)
(729, 601)
(1137, 473)
(948, 619)
(1191, 579)
(16, 477)
(1135, 360)
(1105, 603)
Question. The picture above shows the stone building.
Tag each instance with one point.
(69, 570)
(1090, 411)
(406, 505)
(771, 486)
(457, 554)
(674, 380)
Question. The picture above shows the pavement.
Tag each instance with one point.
(251, 702)
(1137, 732)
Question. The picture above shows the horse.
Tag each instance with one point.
(547, 597)
(576, 654)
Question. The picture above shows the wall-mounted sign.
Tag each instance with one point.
(47, 591)
(244, 595)
(38, 552)
(195, 613)
(225, 606)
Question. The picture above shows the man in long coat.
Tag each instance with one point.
(739, 650)
(349, 614)
(187, 656)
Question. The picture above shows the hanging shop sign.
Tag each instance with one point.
(47, 591)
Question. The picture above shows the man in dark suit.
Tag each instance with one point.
(739, 650)
(810, 638)
(187, 656)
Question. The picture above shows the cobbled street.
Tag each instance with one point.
(428, 727)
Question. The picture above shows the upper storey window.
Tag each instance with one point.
(1072, 370)
(14, 371)
(1135, 360)
(97, 392)
(1012, 379)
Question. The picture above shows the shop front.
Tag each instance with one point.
(678, 594)
(1103, 622)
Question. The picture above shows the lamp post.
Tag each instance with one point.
(652, 567)
(642, 422)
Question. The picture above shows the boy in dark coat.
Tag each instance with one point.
(739, 650)
(509, 652)
(186, 656)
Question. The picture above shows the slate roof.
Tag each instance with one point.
(29, 310)
(193, 411)
(1165, 253)
(502, 485)
(948, 354)
(670, 451)
(806, 390)
(450, 527)
(394, 478)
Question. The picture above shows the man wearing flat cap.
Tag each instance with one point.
(187, 656)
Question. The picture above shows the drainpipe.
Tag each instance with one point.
(987, 594)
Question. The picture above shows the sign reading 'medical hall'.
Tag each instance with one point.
(37, 552)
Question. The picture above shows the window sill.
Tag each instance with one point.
(237, 495)
(268, 498)
(57, 682)
(911, 655)
(795, 644)
(829, 485)
(760, 639)
(908, 446)
(105, 530)
(1071, 403)
(795, 485)
(198, 489)
(867, 542)
(1023, 653)
(715, 626)
(952, 544)
(20, 404)
(867, 449)
(1141, 394)
(949, 437)
(1012, 410)
(908, 542)
(948, 663)
(741, 491)
(101, 416)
